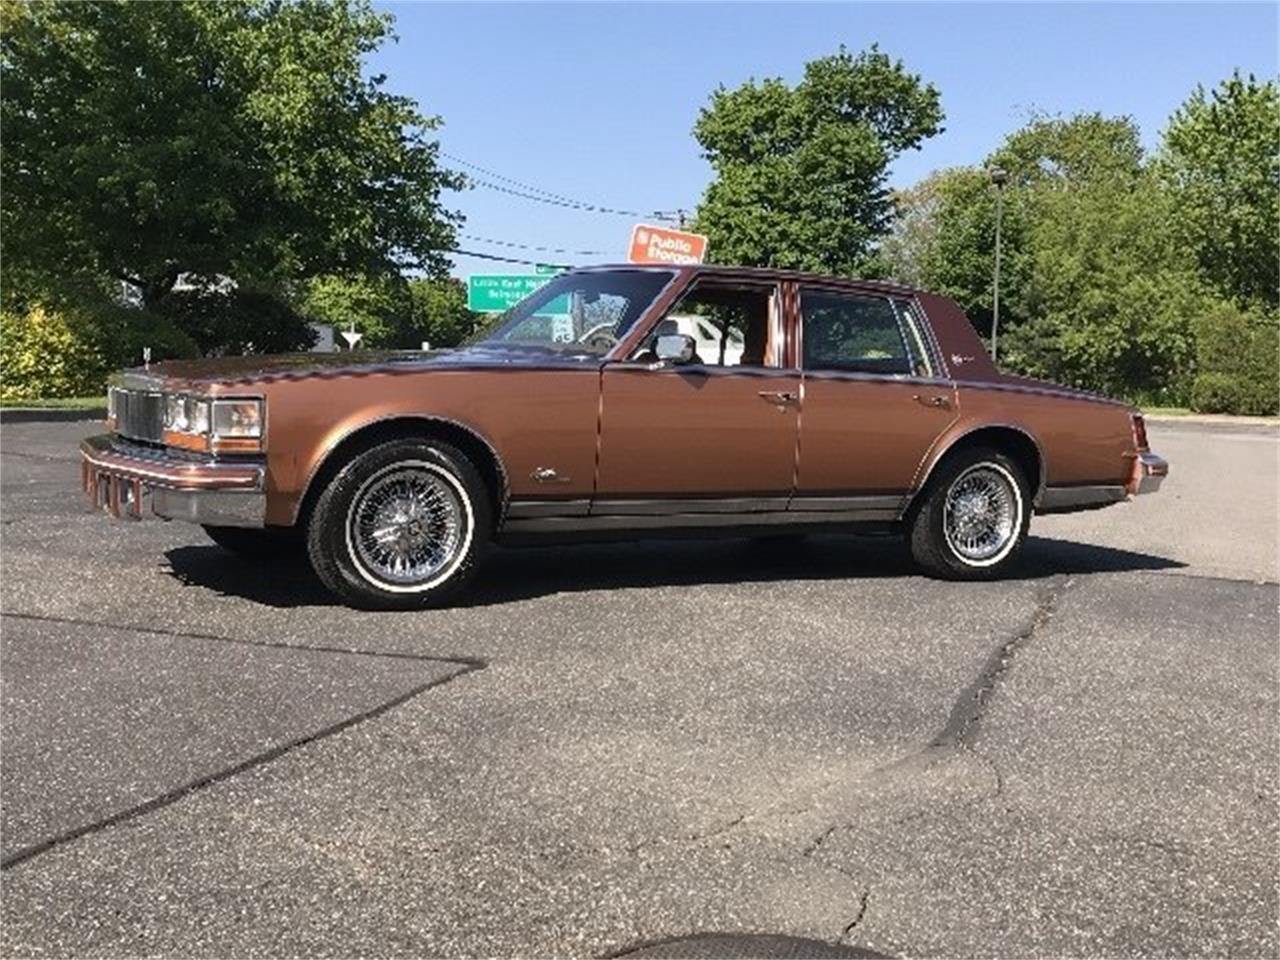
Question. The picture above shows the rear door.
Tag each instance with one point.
(874, 402)
(715, 434)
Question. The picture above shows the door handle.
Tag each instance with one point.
(934, 401)
(779, 396)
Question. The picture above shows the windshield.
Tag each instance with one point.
(576, 313)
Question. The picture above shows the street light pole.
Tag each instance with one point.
(999, 178)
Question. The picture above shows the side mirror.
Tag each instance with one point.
(674, 348)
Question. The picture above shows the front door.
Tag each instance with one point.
(715, 434)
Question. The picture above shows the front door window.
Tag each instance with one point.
(730, 325)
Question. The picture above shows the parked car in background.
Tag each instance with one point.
(626, 402)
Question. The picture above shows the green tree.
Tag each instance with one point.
(959, 258)
(235, 321)
(800, 172)
(1108, 299)
(440, 314)
(1221, 161)
(1095, 288)
(147, 141)
(377, 306)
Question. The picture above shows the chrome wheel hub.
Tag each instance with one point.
(406, 525)
(982, 514)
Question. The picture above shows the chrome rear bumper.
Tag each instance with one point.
(1149, 472)
(123, 478)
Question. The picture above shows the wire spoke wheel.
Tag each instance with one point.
(982, 514)
(407, 525)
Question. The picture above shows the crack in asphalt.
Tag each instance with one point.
(862, 912)
(466, 665)
(960, 731)
(717, 831)
(971, 706)
(240, 641)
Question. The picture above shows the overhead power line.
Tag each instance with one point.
(527, 191)
(536, 249)
(494, 256)
(507, 180)
(570, 204)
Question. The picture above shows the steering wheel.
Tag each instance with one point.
(599, 337)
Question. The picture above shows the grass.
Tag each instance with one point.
(1168, 411)
(59, 403)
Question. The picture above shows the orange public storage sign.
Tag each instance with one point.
(660, 245)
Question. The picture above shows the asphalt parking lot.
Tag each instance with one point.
(617, 745)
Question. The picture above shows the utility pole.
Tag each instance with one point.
(999, 178)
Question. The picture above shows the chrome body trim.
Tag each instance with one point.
(856, 375)
(892, 502)
(139, 414)
(121, 477)
(159, 469)
(1067, 499)
(685, 521)
(1066, 393)
(552, 516)
(674, 506)
(1149, 471)
(701, 369)
(220, 508)
(528, 509)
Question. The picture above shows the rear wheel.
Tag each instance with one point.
(402, 525)
(973, 518)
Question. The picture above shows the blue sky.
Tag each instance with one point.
(597, 101)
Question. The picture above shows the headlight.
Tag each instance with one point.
(187, 415)
(237, 418)
(220, 426)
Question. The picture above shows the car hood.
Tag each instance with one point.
(296, 366)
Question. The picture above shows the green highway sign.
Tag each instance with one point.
(494, 293)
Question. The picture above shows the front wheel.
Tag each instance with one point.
(402, 525)
(973, 518)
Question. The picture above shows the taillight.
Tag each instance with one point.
(1140, 433)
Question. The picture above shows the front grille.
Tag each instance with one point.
(139, 414)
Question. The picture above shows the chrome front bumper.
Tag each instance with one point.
(1149, 472)
(123, 479)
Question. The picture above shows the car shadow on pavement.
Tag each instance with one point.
(523, 573)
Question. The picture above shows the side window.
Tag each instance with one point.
(850, 332)
(729, 324)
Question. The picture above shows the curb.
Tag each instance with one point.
(1206, 421)
(50, 414)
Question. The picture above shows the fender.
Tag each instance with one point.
(346, 431)
(956, 434)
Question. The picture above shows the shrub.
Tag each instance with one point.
(68, 351)
(1238, 361)
(44, 353)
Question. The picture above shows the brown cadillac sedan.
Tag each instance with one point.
(621, 401)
